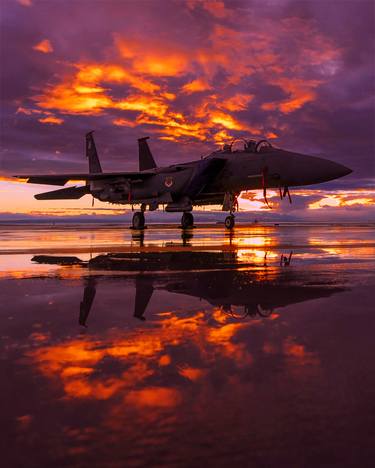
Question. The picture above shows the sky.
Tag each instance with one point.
(191, 75)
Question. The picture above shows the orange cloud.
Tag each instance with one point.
(222, 137)
(124, 123)
(65, 98)
(11, 179)
(157, 397)
(50, 119)
(156, 59)
(254, 200)
(136, 79)
(44, 46)
(226, 121)
(153, 106)
(109, 73)
(344, 199)
(82, 93)
(72, 363)
(23, 110)
(300, 361)
(26, 3)
(300, 92)
(195, 86)
(237, 102)
(191, 373)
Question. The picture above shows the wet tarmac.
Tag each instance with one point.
(184, 349)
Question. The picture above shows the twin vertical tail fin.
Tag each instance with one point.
(146, 160)
(92, 155)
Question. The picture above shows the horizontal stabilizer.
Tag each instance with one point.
(70, 193)
(62, 179)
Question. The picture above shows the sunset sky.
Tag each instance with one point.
(191, 75)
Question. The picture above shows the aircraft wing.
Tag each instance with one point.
(62, 179)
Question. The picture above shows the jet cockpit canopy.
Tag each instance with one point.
(249, 146)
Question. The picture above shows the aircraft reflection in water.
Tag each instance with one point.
(211, 276)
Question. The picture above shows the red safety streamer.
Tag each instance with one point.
(235, 203)
(286, 192)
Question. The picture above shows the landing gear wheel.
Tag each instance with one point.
(187, 220)
(229, 222)
(138, 220)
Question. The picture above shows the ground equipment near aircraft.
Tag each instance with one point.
(216, 179)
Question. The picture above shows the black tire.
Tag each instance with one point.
(138, 220)
(187, 220)
(229, 222)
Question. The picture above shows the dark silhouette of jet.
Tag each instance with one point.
(216, 179)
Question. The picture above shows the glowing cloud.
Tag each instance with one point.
(344, 199)
(44, 46)
(139, 78)
(26, 3)
(50, 119)
(300, 92)
(195, 86)
(237, 102)
(156, 59)
(124, 123)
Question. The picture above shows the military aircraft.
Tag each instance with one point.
(216, 179)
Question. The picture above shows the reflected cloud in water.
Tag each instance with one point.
(185, 355)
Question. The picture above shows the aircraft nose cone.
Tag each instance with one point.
(330, 170)
(343, 170)
(313, 170)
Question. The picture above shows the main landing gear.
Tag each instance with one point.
(187, 220)
(138, 221)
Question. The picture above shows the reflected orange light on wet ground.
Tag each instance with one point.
(74, 363)
(186, 352)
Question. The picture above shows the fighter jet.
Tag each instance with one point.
(216, 179)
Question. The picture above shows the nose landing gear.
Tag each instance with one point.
(230, 204)
(187, 220)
